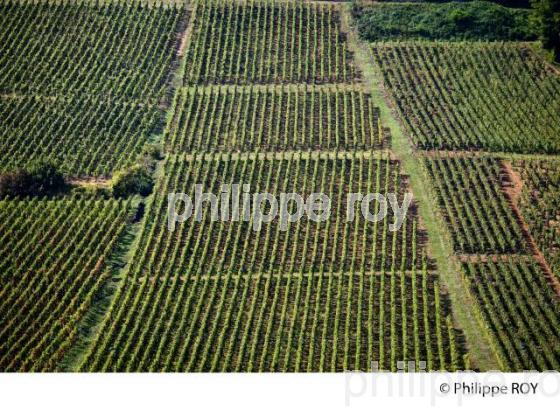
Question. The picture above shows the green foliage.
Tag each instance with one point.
(242, 42)
(539, 203)
(329, 296)
(154, 151)
(212, 118)
(53, 264)
(443, 91)
(81, 83)
(39, 179)
(448, 21)
(133, 181)
(547, 18)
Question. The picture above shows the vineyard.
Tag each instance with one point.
(85, 135)
(306, 246)
(54, 261)
(473, 111)
(274, 119)
(241, 300)
(473, 96)
(66, 48)
(285, 322)
(266, 41)
(540, 205)
(522, 311)
(477, 212)
(272, 97)
(81, 84)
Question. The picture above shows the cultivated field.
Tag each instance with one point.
(236, 42)
(284, 97)
(54, 255)
(273, 118)
(473, 96)
(474, 111)
(521, 309)
(539, 201)
(81, 84)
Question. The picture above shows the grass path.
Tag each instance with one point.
(478, 337)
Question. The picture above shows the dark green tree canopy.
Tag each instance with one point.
(548, 22)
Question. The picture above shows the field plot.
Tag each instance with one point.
(326, 296)
(115, 49)
(84, 135)
(241, 42)
(473, 96)
(305, 246)
(478, 215)
(521, 310)
(319, 296)
(53, 261)
(274, 118)
(539, 202)
(288, 322)
(81, 84)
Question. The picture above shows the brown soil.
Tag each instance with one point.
(514, 189)
(90, 182)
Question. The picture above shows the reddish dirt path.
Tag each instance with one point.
(513, 192)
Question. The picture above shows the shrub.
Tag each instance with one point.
(154, 151)
(39, 179)
(133, 181)
(476, 20)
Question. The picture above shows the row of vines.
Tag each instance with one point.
(521, 309)
(540, 205)
(274, 119)
(476, 210)
(473, 96)
(81, 82)
(327, 296)
(54, 260)
(493, 97)
(266, 41)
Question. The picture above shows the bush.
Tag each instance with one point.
(133, 181)
(154, 151)
(39, 179)
(547, 19)
(476, 20)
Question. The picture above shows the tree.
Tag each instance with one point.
(132, 181)
(547, 14)
(38, 179)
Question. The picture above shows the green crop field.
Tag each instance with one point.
(522, 310)
(274, 118)
(473, 96)
(266, 42)
(539, 203)
(54, 255)
(80, 85)
(479, 216)
(113, 112)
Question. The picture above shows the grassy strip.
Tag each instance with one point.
(439, 243)
(89, 325)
